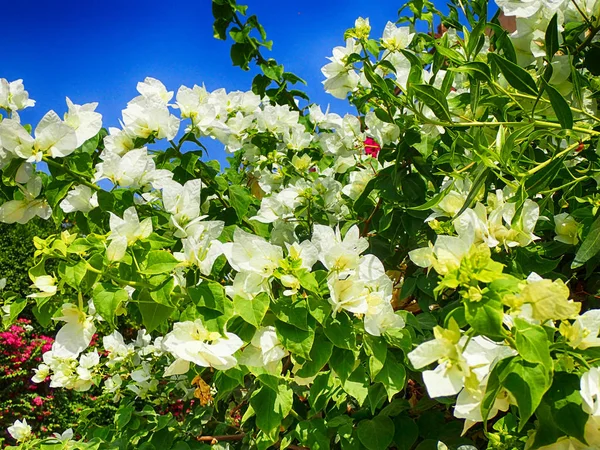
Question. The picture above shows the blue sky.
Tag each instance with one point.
(97, 50)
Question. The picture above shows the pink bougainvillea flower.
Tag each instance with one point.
(372, 148)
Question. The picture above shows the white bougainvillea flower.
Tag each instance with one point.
(20, 431)
(306, 252)
(584, 331)
(125, 232)
(265, 350)
(247, 285)
(191, 100)
(590, 391)
(347, 294)
(80, 198)
(340, 76)
(337, 254)
(135, 169)
(53, 137)
(13, 96)
(22, 211)
(119, 141)
(75, 335)
(41, 373)
(154, 89)
(444, 256)
(147, 116)
(448, 378)
(566, 228)
(46, 284)
(357, 182)
(190, 342)
(182, 202)
(250, 253)
(396, 38)
(18, 142)
(64, 438)
(84, 120)
(280, 205)
(117, 349)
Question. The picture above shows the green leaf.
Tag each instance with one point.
(313, 434)
(15, 308)
(340, 331)
(240, 199)
(551, 39)
(307, 280)
(589, 247)
(271, 407)
(108, 299)
(434, 99)
(153, 314)
(564, 402)
(291, 310)
(357, 385)
(319, 356)
(376, 350)
(478, 70)
(123, 416)
(252, 311)
(377, 433)
(210, 294)
(527, 382)
(407, 432)
(560, 106)
(493, 388)
(532, 343)
(159, 261)
(516, 76)
(343, 362)
(319, 308)
(297, 341)
(321, 391)
(485, 317)
(392, 376)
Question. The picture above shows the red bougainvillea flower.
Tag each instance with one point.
(372, 147)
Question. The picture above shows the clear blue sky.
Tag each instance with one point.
(97, 50)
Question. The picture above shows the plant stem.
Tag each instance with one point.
(558, 155)
(75, 175)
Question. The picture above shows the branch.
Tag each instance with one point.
(75, 175)
(212, 440)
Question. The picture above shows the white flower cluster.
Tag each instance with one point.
(357, 284)
(532, 18)
(463, 368)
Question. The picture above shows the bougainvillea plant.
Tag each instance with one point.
(421, 274)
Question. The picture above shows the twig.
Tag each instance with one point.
(226, 437)
(368, 221)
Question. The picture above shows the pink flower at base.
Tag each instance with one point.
(372, 148)
(38, 401)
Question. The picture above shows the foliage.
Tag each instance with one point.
(420, 275)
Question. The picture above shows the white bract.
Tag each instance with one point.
(125, 232)
(20, 431)
(265, 350)
(191, 342)
(135, 169)
(584, 331)
(76, 334)
(80, 198)
(84, 120)
(30, 206)
(13, 96)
